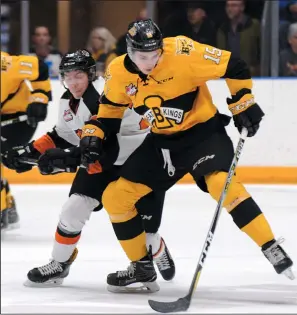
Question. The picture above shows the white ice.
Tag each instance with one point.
(236, 277)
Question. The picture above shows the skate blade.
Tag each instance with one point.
(13, 226)
(147, 287)
(48, 284)
(289, 273)
(10, 227)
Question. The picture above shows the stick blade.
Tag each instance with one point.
(180, 305)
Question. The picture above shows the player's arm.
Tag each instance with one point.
(40, 96)
(58, 149)
(34, 150)
(213, 63)
(246, 112)
(113, 104)
(53, 140)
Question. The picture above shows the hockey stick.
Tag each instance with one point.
(34, 162)
(14, 120)
(182, 304)
(29, 161)
(22, 117)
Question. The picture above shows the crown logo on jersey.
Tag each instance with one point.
(131, 89)
(67, 115)
(184, 46)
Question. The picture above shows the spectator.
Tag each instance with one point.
(121, 47)
(42, 49)
(241, 35)
(288, 57)
(194, 24)
(101, 44)
(283, 10)
(142, 15)
(291, 17)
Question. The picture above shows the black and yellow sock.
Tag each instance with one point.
(245, 212)
(250, 219)
(119, 199)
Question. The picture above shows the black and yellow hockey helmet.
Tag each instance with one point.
(144, 35)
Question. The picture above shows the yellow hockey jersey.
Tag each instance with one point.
(174, 96)
(15, 94)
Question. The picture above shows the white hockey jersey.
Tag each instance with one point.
(74, 113)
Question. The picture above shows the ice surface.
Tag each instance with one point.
(236, 277)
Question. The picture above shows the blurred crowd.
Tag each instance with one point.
(288, 38)
(224, 24)
(228, 25)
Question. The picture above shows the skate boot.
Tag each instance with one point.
(161, 255)
(51, 274)
(13, 217)
(4, 210)
(4, 220)
(279, 259)
(140, 276)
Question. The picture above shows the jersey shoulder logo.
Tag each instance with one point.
(6, 62)
(184, 46)
(67, 115)
(131, 89)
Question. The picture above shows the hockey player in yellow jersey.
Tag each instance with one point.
(165, 79)
(21, 110)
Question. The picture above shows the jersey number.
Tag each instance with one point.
(213, 54)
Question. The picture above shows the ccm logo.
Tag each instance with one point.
(205, 158)
(146, 217)
(206, 247)
(242, 106)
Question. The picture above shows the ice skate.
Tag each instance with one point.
(12, 214)
(4, 220)
(279, 259)
(51, 274)
(140, 276)
(161, 255)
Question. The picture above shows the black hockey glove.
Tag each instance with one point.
(13, 158)
(37, 109)
(56, 160)
(246, 113)
(91, 142)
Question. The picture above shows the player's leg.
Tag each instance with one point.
(85, 197)
(4, 212)
(12, 214)
(75, 212)
(142, 173)
(11, 136)
(214, 160)
(150, 207)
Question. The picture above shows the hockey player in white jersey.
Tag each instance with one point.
(58, 150)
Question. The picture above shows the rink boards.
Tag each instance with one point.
(270, 157)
